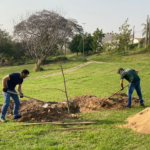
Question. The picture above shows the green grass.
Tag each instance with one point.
(98, 79)
(113, 56)
(48, 69)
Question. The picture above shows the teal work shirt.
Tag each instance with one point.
(130, 75)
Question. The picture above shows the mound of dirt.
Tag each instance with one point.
(139, 122)
(88, 103)
(34, 110)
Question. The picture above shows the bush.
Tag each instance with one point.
(142, 43)
(132, 46)
(62, 58)
(38, 68)
(107, 47)
(84, 60)
(148, 47)
(79, 58)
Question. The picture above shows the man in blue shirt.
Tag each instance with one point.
(9, 83)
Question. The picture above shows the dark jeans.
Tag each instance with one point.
(7, 101)
(131, 87)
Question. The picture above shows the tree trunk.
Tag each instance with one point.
(65, 48)
(38, 66)
(61, 48)
(2, 59)
(124, 51)
(65, 87)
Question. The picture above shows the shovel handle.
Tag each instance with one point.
(20, 95)
(117, 91)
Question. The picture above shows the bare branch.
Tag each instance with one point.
(42, 31)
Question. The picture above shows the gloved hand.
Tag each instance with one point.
(121, 88)
(5, 89)
(21, 95)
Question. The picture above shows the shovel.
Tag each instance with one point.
(31, 97)
(21, 95)
(116, 92)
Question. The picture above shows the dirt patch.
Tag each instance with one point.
(34, 110)
(88, 103)
(139, 122)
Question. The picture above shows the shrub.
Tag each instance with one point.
(38, 68)
(141, 43)
(132, 46)
(62, 58)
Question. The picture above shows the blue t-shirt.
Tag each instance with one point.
(14, 80)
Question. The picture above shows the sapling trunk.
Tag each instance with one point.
(65, 87)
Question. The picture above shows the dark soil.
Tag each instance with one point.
(33, 110)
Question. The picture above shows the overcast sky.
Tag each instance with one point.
(103, 14)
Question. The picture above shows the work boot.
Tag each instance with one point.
(127, 106)
(141, 105)
(2, 120)
(17, 117)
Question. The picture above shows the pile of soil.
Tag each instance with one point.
(139, 122)
(89, 103)
(34, 110)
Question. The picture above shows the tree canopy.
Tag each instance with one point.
(40, 32)
(121, 40)
(97, 40)
(6, 47)
(75, 42)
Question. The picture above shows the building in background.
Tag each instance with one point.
(107, 38)
(136, 40)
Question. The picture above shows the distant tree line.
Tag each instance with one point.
(43, 34)
(120, 42)
(92, 43)
(10, 50)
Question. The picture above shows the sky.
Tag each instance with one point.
(107, 15)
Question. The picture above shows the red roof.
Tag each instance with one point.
(139, 39)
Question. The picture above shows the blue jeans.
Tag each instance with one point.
(7, 101)
(131, 87)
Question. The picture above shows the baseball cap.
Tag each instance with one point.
(119, 70)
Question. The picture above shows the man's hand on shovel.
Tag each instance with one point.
(117, 92)
(121, 89)
(21, 95)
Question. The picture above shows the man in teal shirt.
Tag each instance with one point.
(134, 83)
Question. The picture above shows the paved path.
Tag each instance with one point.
(68, 70)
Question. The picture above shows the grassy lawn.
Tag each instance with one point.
(48, 69)
(98, 79)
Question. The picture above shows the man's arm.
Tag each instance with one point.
(121, 83)
(4, 80)
(19, 89)
(136, 71)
